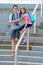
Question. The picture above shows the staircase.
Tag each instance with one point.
(32, 57)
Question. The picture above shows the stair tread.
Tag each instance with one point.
(20, 62)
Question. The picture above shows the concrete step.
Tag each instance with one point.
(5, 42)
(40, 31)
(37, 48)
(32, 43)
(23, 52)
(7, 58)
(36, 43)
(22, 58)
(1, 63)
(31, 53)
(41, 25)
(5, 38)
(23, 47)
(36, 39)
(20, 63)
(10, 47)
(31, 39)
(8, 33)
(4, 46)
(36, 35)
(5, 52)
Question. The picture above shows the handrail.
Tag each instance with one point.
(17, 47)
(35, 8)
(23, 35)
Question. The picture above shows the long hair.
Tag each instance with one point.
(23, 9)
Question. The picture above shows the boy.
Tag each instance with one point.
(15, 35)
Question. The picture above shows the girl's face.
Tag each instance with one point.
(22, 11)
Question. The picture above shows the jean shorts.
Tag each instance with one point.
(15, 34)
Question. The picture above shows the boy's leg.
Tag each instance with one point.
(17, 36)
(13, 42)
(16, 40)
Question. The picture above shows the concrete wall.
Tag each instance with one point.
(5, 11)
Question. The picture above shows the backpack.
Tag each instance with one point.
(13, 16)
(31, 17)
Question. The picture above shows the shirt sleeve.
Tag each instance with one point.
(10, 17)
(25, 17)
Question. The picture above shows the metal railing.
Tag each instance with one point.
(27, 40)
(27, 35)
(17, 47)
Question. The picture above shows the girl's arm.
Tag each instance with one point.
(26, 20)
(20, 19)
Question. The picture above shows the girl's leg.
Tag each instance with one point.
(29, 25)
(21, 28)
(24, 39)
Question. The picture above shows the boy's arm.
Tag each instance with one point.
(10, 19)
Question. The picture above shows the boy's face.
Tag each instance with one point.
(15, 9)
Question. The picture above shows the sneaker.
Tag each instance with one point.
(19, 46)
(23, 40)
(12, 53)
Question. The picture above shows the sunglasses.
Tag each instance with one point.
(15, 8)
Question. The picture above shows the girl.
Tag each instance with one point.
(26, 18)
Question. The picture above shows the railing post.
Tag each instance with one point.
(15, 58)
(28, 39)
(35, 24)
(34, 11)
(41, 8)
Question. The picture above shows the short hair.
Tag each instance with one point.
(15, 6)
(23, 9)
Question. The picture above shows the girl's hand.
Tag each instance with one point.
(24, 28)
(18, 20)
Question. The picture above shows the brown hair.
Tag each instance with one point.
(15, 6)
(23, 9)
